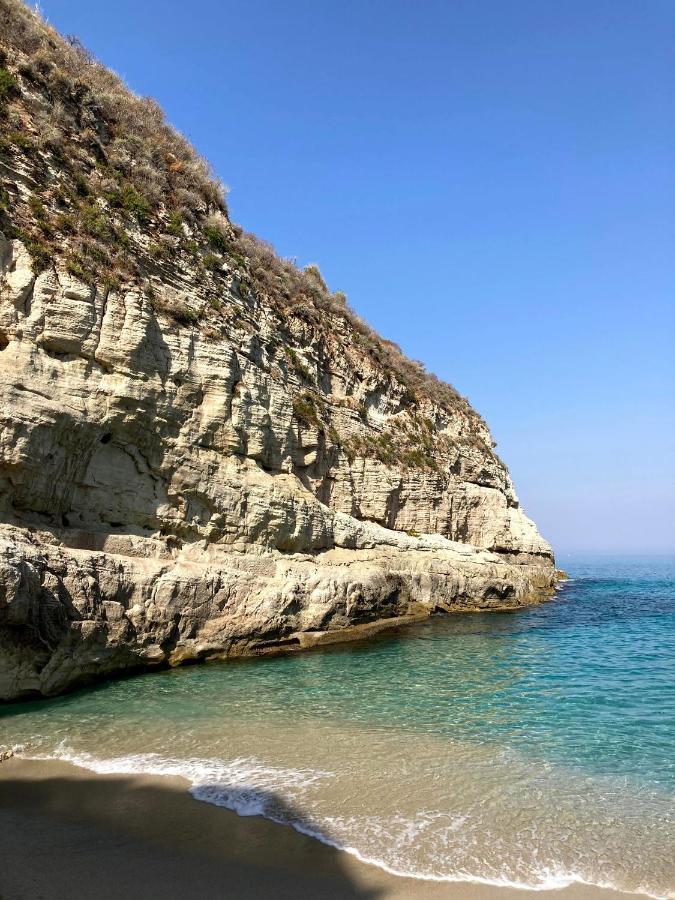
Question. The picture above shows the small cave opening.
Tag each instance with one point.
(106, 438)
(4, 342)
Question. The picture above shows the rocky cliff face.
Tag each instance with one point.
(203, 452)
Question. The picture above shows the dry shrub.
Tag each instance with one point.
(140, 139)
(121, 149)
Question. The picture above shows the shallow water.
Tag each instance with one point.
(531, 748)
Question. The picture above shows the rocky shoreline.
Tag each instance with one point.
(73, 616)
(204, 452)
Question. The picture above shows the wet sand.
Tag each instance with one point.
(69, 834)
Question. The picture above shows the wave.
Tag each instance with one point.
(249, 787)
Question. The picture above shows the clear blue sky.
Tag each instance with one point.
(491, 182)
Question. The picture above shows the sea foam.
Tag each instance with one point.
(250, 787)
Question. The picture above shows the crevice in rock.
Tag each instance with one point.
(104, 307)
(28, 299)
(19, 386)
(280, 642)
(63, 355)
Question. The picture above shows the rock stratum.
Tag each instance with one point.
(204, 452)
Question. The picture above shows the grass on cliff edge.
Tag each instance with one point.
(123, 171)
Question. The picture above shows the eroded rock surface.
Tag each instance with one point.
(203, 452)
(165, 504)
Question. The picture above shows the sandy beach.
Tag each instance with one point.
(70, 834)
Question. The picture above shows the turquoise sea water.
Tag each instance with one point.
(531, 748)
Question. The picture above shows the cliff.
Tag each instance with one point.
(203, 451)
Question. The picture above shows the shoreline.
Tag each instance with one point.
(69, 832)
(299, 642)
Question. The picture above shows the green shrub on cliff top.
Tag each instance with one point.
(8, 85)
(128, 198)
(215, 237)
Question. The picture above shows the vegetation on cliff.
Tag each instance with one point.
(118, 198)
(203, 451)
(126, 196)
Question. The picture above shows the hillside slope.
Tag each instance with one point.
(203, 451)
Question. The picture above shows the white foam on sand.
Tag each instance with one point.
(249, 787)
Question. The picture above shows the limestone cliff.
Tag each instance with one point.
(203, 451)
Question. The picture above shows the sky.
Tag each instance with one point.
(492, 184)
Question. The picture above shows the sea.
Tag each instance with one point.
(533, 748)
